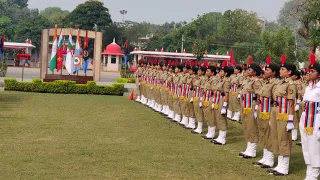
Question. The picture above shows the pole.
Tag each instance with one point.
(182, 44)
(2, 64)
(23, 70)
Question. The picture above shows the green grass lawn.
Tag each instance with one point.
(46, 136)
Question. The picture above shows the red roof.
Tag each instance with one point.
(113, 49)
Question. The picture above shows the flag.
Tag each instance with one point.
(126, 58)
(53, 62)
(132, 94)
(1, 44)
(60, 52)
(224, 63)
(85, 54)
(69, 57)
(232, 60)
(77, 58)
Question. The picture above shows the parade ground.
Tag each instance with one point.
(56, 136)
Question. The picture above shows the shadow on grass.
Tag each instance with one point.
(10, 102)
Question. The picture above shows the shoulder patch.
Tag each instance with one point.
(290, 91)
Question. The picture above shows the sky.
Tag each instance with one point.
(161, 11)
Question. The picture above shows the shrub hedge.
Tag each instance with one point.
(63, 86)
(126, 80)
(126, 73)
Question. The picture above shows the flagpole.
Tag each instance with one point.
(2, 62)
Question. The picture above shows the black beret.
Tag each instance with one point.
(256, 68)
(195, 69)
(212, 69)
(273, 67)
(203, 68)
(228, 70)
(289, 67)
(187, 66)
(239, 68)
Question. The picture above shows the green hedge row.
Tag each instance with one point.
(126, 80)
(126, 73)
(63, 86)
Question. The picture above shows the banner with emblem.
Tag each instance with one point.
(85, 54)
(77, 58)
(60, 52)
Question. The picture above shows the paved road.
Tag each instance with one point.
(30, 73)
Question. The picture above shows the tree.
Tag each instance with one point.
(275, 44)
(55, 15)
(31, 29)
(273, 26)
(238, 26)
(305, 14)
(198, 49)
(88, 15)
(20, 3)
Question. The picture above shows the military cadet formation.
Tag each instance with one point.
(272, 104)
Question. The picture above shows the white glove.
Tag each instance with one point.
(200, 104)
(224, 110)
(191, 100)
(239, 96)
(212, 106)
(290, 125)
(255, 114)
(138, 84)
(270, 123)
(297, 107)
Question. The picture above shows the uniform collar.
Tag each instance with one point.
(287, 79)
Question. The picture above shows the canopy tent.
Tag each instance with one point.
(14, 45)
(186, 56)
